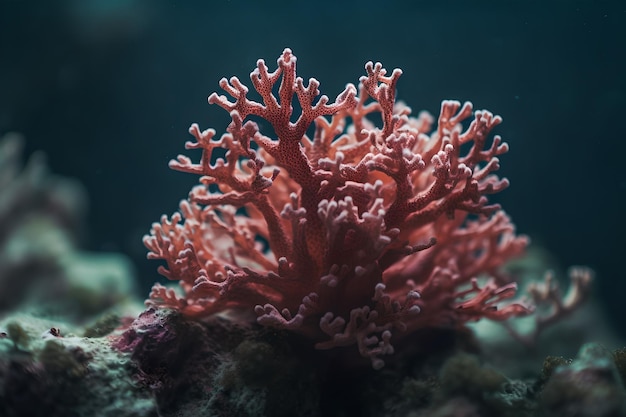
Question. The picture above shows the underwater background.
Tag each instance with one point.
(107, 90)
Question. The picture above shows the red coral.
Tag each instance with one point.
(354, 235)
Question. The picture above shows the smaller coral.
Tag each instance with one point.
(463, 374)
(17, 334)
(590, 386)
(552, 305)
(60, 360)
(40, 266)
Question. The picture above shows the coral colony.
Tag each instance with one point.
(349, 222)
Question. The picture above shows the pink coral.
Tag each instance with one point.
(334, 226)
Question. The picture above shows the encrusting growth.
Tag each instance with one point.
(356, 235)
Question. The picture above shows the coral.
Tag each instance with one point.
(221, 367)
(41, 267)
(463, 374)
(588, 386)
(60, 374)
(217, 367)
(350, 222)
(463, 378)
(261, 375)
(39, 215)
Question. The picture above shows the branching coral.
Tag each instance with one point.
(343, 229)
